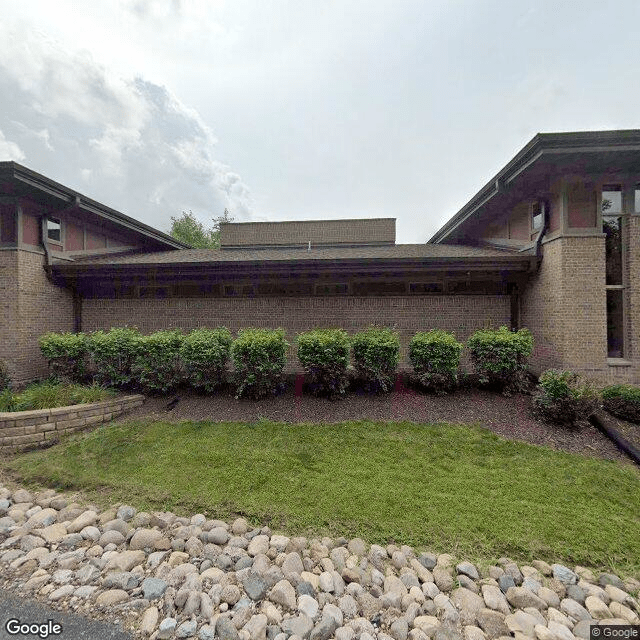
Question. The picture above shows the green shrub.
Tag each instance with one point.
(113, 354)
(5, 378)
(375, 357)
(499, 356)
(66, 353)
(435, 357)
(7, 400)
(562, 397)
(259, 356)
(156, 368)
(205, 354)
(47, 395)
(623, 401)
(324, 355)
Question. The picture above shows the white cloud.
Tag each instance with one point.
(10, 150)
(129, 142)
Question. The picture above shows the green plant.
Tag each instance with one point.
(7, 400)
(324, 355)
(435, 357)
(5, 379)
(47, 395)
(156, 368)
(113, 354)
(499, 356)
(564, 398)
(259, 356)
(375, 357)
(623, 401)
(205, 354)
(66, 353)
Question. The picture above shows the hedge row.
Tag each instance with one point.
(157, 363)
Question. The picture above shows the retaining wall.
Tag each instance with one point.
(20, 429)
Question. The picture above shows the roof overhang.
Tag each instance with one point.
(26, 182)
(591, 151)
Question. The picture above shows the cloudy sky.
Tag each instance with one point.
(293, 109)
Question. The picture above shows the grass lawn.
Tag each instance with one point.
(459, 489)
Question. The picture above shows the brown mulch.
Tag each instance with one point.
(509, 417)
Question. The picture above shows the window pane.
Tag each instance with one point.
(53, 229)
(611, 199)
(637, 199)
(613, 245)
(615, 326)
(536, 213)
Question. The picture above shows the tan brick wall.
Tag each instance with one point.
(20, 429)
(31, 306)
(314, 231)
(409, 314)
(632, 264)
(564, 305)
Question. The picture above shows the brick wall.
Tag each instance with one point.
(564, 305)
(632, 278)
(461, 314)
(20, 429)
(31, 306)
(315, 231)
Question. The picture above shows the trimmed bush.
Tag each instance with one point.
(259, 356)
(499, 357)
(156, 368)
(375, 358)
(5, 378)
(66, 353)
(563, 398)
(435, 357)
(623, 401)
(205, 354)
(324, 355)
(113, 354)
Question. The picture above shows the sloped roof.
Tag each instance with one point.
(215, 256)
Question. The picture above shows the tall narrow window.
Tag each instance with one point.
(612, 228)
(637, 199)
(537, 215)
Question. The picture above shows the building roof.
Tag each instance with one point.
(25, 182)
(590, 150)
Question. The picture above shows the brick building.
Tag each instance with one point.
(551, 243)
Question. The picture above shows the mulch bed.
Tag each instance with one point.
(509, 417)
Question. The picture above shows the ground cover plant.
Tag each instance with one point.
(324, 356)
(435, 357)
(499, 357)
(47, 395)
(623, 401)
(443, 487)
(375, 356)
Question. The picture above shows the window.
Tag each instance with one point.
(537, 215)
(53, 230)
(425, 287)
(612, 228)
(332, 289)
(637, 199)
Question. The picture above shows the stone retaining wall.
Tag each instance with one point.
(19, 429)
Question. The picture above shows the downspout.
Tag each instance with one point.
(45, 245)
(543, 230)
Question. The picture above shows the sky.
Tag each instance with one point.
(300, 110)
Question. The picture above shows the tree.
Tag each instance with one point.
(191, 231)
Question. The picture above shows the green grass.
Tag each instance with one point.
(47, 395)
(447, 488)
